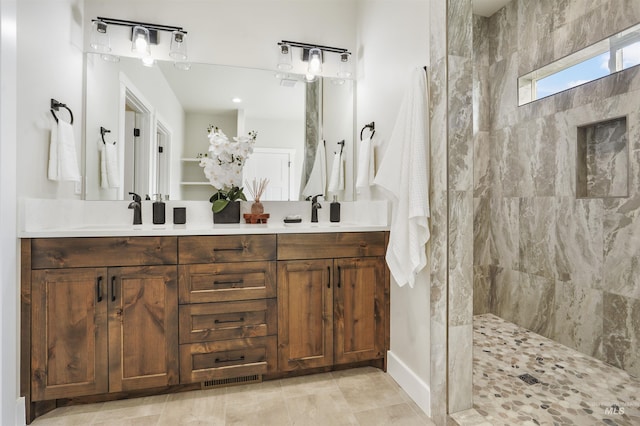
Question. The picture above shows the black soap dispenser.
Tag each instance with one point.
(158, 210)
(334, 210)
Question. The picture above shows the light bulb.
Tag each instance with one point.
(141, 40)
(315, 61)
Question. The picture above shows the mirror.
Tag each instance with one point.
(157, 120)
(608, 56)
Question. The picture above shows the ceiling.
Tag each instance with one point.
(488, 7)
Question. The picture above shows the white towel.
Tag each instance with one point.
(63, 161)
(366, 166)
(317, 182)
(404, 173)
(109, 170)
(336, 182)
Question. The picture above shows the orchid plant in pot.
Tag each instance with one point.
(223, 168)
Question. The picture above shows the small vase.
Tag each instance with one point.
(257, 208)
(230, 214)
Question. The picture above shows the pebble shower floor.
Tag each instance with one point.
(568, 387)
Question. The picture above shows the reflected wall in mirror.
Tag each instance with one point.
(608, 56)
(158, 117)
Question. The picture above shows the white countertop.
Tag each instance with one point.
(75, 218)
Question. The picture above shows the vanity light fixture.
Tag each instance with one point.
(178, 49)
(344, 70)
(314, 55)
(99, 38)
(143, 35)
(284, 57)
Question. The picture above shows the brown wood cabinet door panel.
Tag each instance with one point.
(227, 358)
(330, 245)
(105, 251)
(143, 327)
(227, 320)
(226, 248)
(227, 281)
(69, 333)
(305, 314)
(359, 309)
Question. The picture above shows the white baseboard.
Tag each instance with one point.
(20, 411)
(413, 385)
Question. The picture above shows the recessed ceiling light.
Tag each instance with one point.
(236, 100)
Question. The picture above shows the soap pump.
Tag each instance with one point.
(334, 210)
(158, 210)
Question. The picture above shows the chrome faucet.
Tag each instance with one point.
(136, 205)
(315, 205)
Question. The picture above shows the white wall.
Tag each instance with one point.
(240, 32)
(10, 412)
(393, 38)
(50, 65)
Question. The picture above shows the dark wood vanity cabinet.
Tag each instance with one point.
(115, 317)
(227, 307)
(96, 327)
(331, 310)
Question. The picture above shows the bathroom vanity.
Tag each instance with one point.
(110, 317)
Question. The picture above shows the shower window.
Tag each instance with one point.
(616, 53)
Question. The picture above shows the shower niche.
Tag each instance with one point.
(602, 169)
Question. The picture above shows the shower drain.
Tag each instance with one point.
(528, 379)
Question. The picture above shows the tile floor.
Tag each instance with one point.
(363, 396)
(573, 388)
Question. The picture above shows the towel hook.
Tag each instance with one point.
(371, 126)
(103, 132)
(55, 106)
(341, 143)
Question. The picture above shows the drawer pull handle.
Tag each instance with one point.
(219, 360)
(228, 321)
(229, 249)
(339, 277)
(240, 281)
(328, 276)
(113, 288)
(99, 288)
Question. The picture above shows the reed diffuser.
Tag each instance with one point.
(256, 189)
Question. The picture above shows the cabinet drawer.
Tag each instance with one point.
(228, 320)
(105, 251)
(227, 358)
(330, 245)
(221, 282)
(226, 248)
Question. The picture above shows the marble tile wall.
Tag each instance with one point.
(452, 206)
(545, 258)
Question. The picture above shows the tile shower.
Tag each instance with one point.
(557, 182)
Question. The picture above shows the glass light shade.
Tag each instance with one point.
(309, 78)
(315, 61)
(178, 48)
(140, 43)
(284, 57)
(99, 38)
(344, 69)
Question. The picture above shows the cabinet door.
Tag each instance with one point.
(359, 309)
(143, 327)
(305, 314)
(69, 333)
